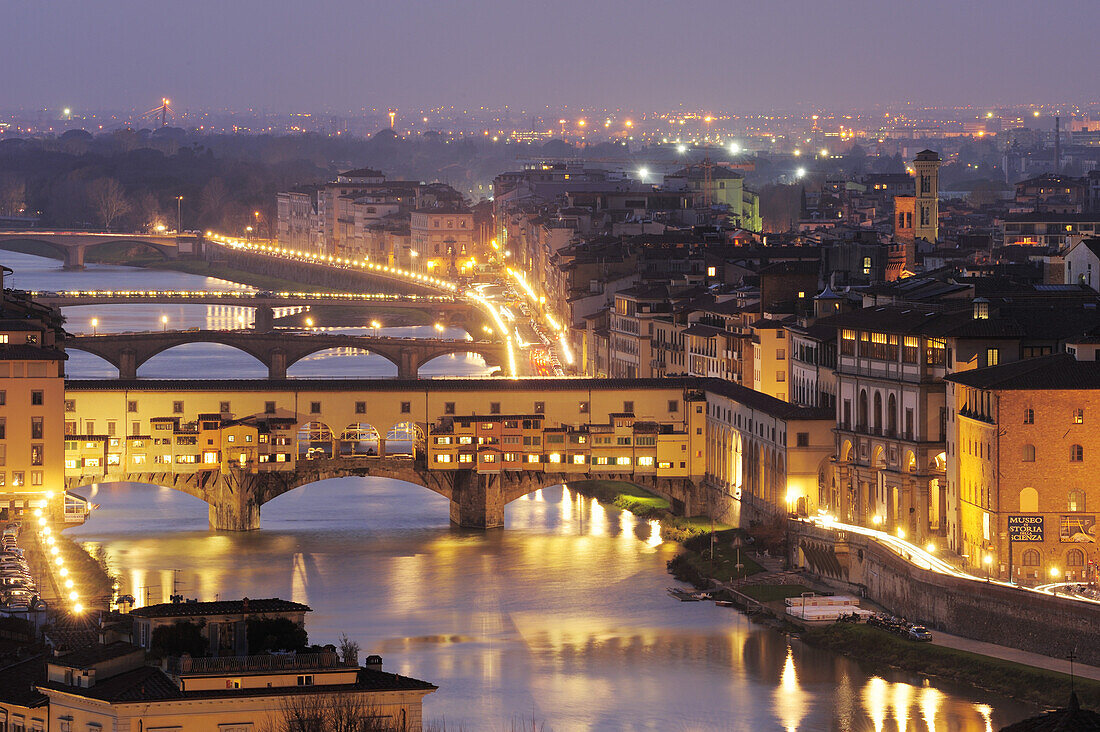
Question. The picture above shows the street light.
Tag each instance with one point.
(179, 214)
(95, 324)
(988, 559)
(164, 322)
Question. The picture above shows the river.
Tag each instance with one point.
(560, 618)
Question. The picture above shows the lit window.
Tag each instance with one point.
(465, 458)
(210, 457)
(70, 463)
(443, 458)
(645, 461)
(554, 457)
(489, 458)
(578, 459)
(532, 458)
(622, 461)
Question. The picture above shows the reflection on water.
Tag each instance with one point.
(561, 616)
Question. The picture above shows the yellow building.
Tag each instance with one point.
(440, 237)
(32, 403)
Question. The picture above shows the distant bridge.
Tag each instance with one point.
(71, 246)
(278, 350)
(446, 308)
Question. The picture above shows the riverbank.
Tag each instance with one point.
(1015, 680)
(646, 505)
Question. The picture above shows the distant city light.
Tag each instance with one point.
(681, 149)
(734, 148)
(643, 173)
(801, 172)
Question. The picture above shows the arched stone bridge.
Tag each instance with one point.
(276, 350)
(71, 246)
(477, 500)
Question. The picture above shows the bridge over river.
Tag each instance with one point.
(278, 350)
(71, 246)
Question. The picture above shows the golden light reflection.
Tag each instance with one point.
(654, 539)
(598, 521)
(902, 700)
(790, 700)
(930, 700)
(987, 715)
(299, 580)
(874, 698)
(538, 496)
(626, 527)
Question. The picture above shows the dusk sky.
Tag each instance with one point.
(707, 54)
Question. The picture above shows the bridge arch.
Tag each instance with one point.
(315, 440)
(360, 438)
(345, 352)
(35, 246)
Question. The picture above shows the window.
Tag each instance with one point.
(780, 354)
(554, 457)
(269, 407)
(306, 680)
(70, 404)
(135, 428)
(1078, 416)
(1075, 558)
(111, 427)
(802, 439)
(1076, 501)
(448, 407)
(131, 406)
(223, 407)
(36, 398)
(315, 407)
(489, 457)
(465, 440)
(1076, 453)
(360, 407)
(1031, 558)
(578, 459)
(36, 428)
(1029, 416)
(406, 407)
(622, 461)
(780, 375)
(628, 407)
(465, 458)
(17, 475)
(992, 356)
(1029, 453)
(645, 461)
(36, 477)
(443, 440)
(583, 407)
(177, 407)
(36, 455)
(622, 441)
(673, 405)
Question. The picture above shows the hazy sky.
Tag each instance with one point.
(288, 55)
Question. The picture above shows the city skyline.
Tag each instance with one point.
(253, 56)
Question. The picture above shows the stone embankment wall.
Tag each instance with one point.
(1046, 624)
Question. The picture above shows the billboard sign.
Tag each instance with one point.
(1025, 528)
(1075, 528)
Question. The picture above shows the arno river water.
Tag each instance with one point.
(561, 617)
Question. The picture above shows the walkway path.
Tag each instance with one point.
(939, 638)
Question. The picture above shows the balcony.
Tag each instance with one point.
(185, 665)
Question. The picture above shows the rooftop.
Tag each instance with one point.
(1059, 371)
(221, 607)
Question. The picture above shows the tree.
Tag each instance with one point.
(108, 200)
(12, 195)
(178, 638)
(349, 650)
(341, 712)
(275, 634)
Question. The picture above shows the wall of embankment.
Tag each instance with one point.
(1047, 624)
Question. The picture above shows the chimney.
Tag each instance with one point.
(373, 663)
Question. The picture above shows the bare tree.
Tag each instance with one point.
(341, 712)
(215, 195)
(349, 650)
(13, 193)
(108, 199)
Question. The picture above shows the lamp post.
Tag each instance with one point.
(988, 560)
(164, 323)
(95, 324)
(179, 215)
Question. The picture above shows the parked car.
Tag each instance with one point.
(920, 633)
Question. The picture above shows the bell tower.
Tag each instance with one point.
(926, 224)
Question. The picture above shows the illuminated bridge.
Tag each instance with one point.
(73, 298)
(482, 443)
(71, 246)
(279, 350)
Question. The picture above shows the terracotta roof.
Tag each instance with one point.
(91, 655)
(1060, 371)
(149, 683)
(221, 607)
(17, 682)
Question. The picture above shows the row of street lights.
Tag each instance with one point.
(95, 324)
(53, 551)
